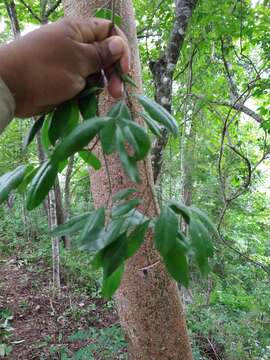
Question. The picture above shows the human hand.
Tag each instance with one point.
(50, 65)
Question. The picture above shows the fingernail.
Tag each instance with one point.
(115, 47)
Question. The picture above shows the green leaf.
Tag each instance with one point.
(29, 175)
(89, 91)
(92, 230)
(205, 220)
(33, 131)
(11, 181)
(201, 243)
(165, 233)
(64, 120)
(62, 165)
(90, 159)
(113, 255)
(136, 238)
(107, 137)
(181, 209)
(125, 208)
(123, 194)
(105, 236)
(158, 113)
(78, 139)
(112, 283)
(152, 124)
(128, 79)
(41, 184)
(71, 226)
(129, 164)
(88, 106)
(177, 265)
(137, 137)
(45, 141)
(107, 14)
(120, 111)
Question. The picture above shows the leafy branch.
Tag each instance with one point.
(114, 232)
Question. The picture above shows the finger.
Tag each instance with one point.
(115, 85)
(125, 60)
(103, 54)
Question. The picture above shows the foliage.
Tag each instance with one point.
(229, 309)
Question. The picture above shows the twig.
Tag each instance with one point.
(149, 266)
(31, 11)
(52, 9)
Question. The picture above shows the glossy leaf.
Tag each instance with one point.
(128, 79)
(152, 124)
(113, 255)
(107, 137)
(181, 209)
(205, 220)
(64, 120)
(29, 175)
(71, 226)
(11, 181)
(41, 184)
(89, 91)
(90, 159)
(88, 106)
(33, 131)
(177, 265)
(112, 283)
(78, 139)
(136, 238)
(128, 163)
(165, 233)
(137, 137)
(45, 141)
(200, 240)
(120, 111)
(125, 208)
(158, 113)
(89, 238)
(123, 194)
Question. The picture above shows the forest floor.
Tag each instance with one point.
(35, 325)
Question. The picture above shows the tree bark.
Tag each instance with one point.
(148, 301)
(12, 13)
(163, 70)
(55, 243)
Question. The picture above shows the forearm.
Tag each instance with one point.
(7, 106)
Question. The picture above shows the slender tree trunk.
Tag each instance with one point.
(67, 195)
(11, 9)
(148, 301)
(55, 243)
(60, 212)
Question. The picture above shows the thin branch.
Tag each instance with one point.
(234, 105)
(31, 11)
(52, 9)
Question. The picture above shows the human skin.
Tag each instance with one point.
(51, 64)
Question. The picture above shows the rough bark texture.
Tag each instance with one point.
(148, 301)
(163, 71)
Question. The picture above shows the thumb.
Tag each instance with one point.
(105, 53)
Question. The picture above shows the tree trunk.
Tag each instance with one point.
(60, 212)
(148, 301)
(55, 243)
